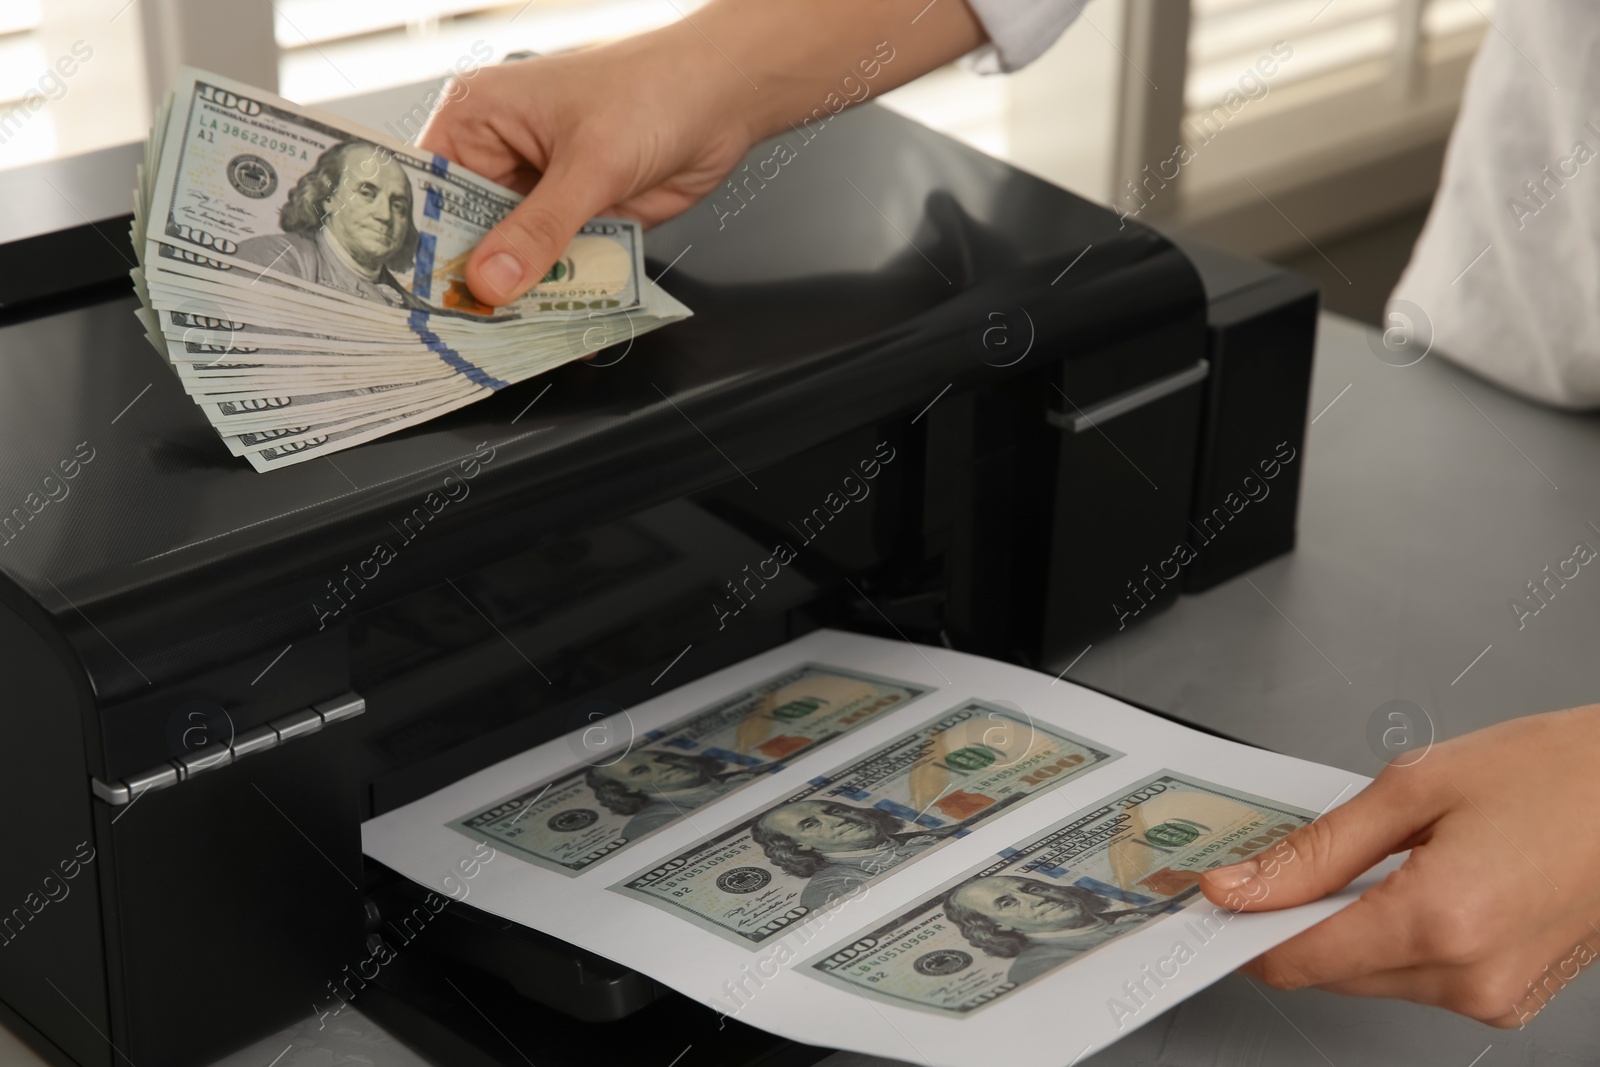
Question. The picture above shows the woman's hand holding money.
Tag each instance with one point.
(647, 126)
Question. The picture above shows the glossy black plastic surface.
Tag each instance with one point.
(813, 314)
(846, 306)
(1261, 334)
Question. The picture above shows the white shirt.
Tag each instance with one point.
(1019, 31)
(1506, 275)
(1527, 314)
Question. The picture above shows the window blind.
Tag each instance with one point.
(331, 48)
(1227, 37)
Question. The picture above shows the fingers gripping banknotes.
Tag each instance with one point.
(589, 813)
(246, 182)
(332, 261)
(1100, 874)
(859, 822)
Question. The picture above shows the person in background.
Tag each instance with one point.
(1499, 892)
(1506, 274)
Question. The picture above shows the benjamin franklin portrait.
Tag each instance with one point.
(837, 847)
(657, 786)
(346, 225)
(1040, 925)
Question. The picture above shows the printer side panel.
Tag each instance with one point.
(1252, 442)
(996, 451)
(234, 904)
(1119, 512)
(1064, 503)
(52, 950)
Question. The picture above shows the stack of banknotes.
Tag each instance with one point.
(305, 278)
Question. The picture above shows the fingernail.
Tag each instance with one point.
(503, 271)
(1234, 876)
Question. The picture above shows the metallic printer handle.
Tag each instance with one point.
(279, 731)
(1131, 400)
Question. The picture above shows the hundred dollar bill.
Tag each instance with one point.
(852, 826)
(212, 380)
(274, 449)
(1100, 874)
(264, 412)
(590, 812)
(249, 185)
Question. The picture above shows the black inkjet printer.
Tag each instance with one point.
(923, 395)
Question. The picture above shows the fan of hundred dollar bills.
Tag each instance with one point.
(304, 278)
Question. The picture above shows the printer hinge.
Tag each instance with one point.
(279, 731)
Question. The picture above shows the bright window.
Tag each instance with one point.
(1347, 131)
(65, 70)
(1343, 42)
(332, 48)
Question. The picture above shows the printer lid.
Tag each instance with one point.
(846, 289)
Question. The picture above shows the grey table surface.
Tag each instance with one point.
(1429, 499)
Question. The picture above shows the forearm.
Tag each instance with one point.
(649, 125)
(773, 62)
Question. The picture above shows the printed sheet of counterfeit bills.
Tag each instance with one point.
(883, 847)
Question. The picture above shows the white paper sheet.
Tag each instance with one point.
(1057, 1019)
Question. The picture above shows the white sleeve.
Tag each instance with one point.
(1506, 273)
(1019, 31)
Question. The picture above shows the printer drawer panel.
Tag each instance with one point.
(233, 901)
(1121, 507)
